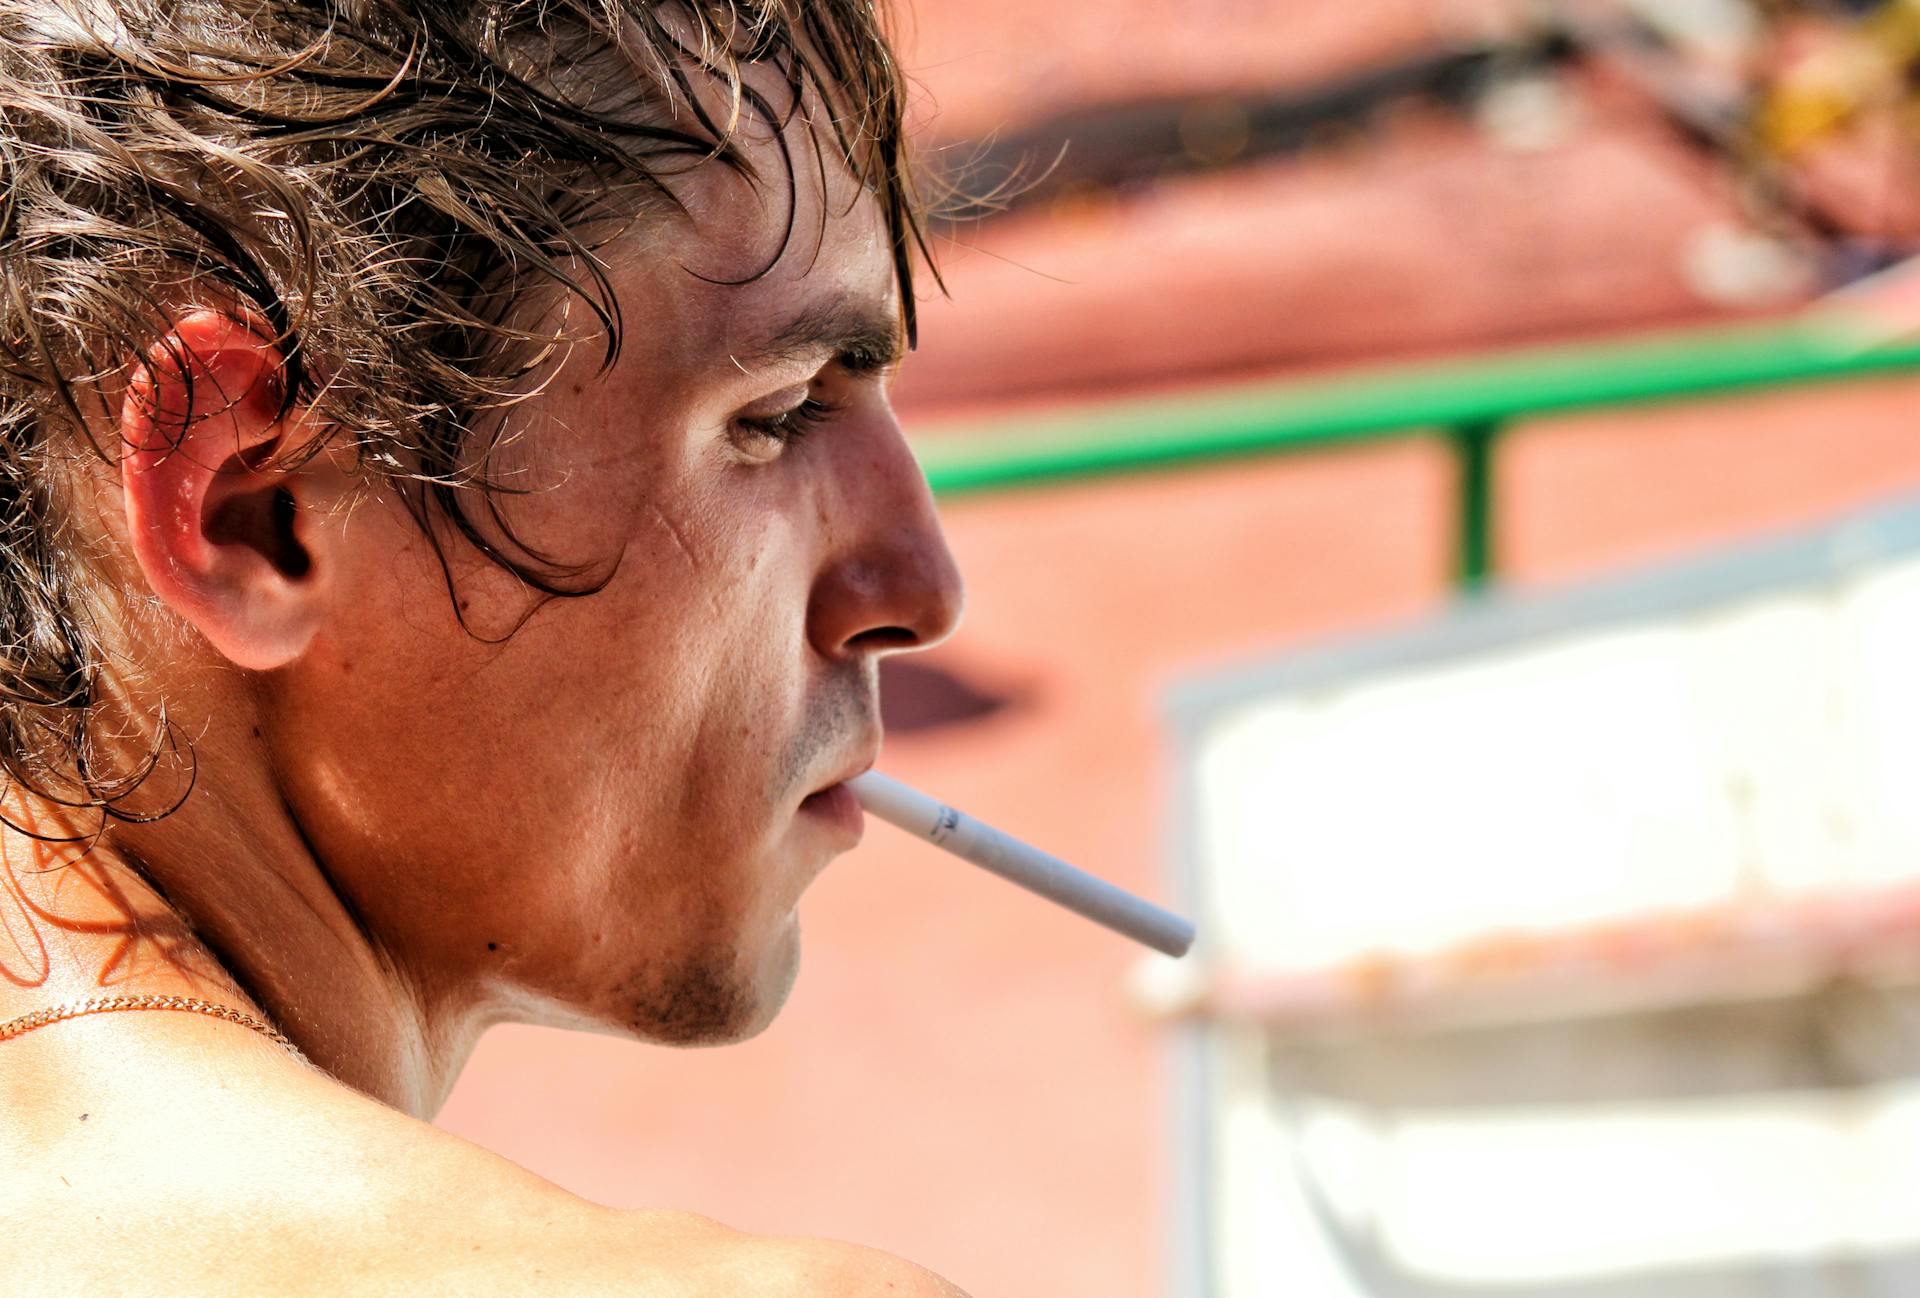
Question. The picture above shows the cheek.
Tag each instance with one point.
(619, 753)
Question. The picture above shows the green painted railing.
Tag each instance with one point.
(1467, 402)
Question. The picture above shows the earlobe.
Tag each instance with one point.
(217, 531)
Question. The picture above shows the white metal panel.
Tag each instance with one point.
(1739, 739)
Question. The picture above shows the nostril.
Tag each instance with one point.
(882, 638)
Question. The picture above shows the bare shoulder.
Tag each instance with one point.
(497, 1229)
(608, 1254)
(334, 1195)
(581, 1250)
(820, 1268)
(483, 1227)
(494, 1228)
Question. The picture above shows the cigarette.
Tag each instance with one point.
(1014, 861)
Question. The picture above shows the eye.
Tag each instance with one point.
(764, 437)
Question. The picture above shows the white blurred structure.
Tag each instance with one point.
(1564, 946)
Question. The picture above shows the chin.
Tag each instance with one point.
(717, 999)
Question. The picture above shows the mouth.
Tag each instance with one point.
(837, 810)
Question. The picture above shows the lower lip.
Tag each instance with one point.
(836, 806)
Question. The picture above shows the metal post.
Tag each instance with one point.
(1474, 558)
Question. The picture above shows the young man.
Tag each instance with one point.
(452, 515)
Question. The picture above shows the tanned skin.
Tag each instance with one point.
(406, 825)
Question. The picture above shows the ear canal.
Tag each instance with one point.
(265, 523)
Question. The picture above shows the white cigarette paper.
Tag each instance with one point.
(1003, 854)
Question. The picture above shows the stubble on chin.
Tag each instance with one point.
(710, 1000)
(700, 1002)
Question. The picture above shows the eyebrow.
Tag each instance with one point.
(859, 337)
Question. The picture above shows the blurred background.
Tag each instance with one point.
(1437, 485)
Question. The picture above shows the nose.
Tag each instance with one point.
(889, 583)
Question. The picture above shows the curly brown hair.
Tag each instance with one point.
(383, 183)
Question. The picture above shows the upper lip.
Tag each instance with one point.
(859, 766)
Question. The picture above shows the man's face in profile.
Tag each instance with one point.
(608, 816)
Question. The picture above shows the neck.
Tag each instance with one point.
(185, 906)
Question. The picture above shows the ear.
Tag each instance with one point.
(221, 539)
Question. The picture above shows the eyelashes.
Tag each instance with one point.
(792, 424)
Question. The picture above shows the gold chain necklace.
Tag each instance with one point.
(112, 1004)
